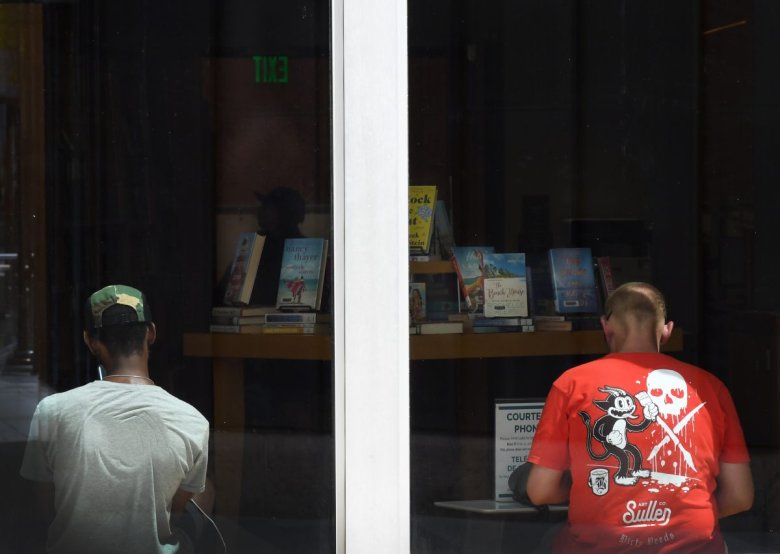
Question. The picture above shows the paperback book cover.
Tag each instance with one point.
(422, 206)
(302, 274)
(417, 302)
(443, 228)
(468, 262)
(244, 268)
(605, 276)
(506, 292)
(541, 298)
(441, 295)
(573, 279)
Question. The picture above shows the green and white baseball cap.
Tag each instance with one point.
(131, 307)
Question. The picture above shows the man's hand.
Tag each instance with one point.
(180, 500)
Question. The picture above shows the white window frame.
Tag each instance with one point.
(370, 195)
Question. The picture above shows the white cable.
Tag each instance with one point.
(213, 524)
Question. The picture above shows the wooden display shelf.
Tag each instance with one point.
(421, 347)
(439, 266)
(280, 347)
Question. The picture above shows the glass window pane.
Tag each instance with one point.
(639, 135)
(139, 145)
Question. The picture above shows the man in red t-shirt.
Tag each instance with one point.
(648, 450)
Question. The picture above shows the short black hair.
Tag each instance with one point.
(120, 340)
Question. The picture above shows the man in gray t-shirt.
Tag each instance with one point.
(122, 453)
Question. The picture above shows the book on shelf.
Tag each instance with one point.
(506, 292)
(302, 274)
(541, 298)
(440, 328)
(503, 329)
(468, 262)
(280, 329)
(425, 257)
(501, 321)
(441, 294)
(297, 329)
(417, 312)
(422, 207)
(443, 226)
(241, 311)
(242, 329)
(573, 280)
(243, 270)
(606, 280)
(238, 320)
(296, 318)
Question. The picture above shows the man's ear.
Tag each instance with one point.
(88, 342)
(666, 331)
(606, 327)
(151, 333)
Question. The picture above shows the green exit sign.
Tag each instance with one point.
(271, 69)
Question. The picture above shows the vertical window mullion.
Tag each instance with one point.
(375, 278)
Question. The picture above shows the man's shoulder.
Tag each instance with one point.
(70, 396)
(176, 404)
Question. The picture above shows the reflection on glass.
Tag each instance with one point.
(162, 133)
(557, 125)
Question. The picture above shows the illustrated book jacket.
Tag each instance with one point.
(468, 262)
(506, 291)
(302, 274)
(243, 271)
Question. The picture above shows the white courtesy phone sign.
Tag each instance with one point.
(516, 423)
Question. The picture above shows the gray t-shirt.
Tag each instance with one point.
(117, 454)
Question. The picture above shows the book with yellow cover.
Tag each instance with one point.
(422, 206)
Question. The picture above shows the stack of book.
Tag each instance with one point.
(267, 320)
(503, 325)
(436, 328)
(298, 323)
(239, 319)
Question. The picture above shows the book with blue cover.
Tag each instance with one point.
(506, 292)
(302, 274)
(574, 281)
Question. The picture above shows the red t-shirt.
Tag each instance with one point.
(643, 435)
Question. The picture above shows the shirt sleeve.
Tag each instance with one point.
(36, 464)
(734, 449)
(550, 445)
(195, 480)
